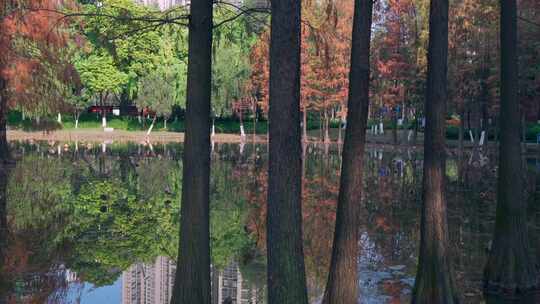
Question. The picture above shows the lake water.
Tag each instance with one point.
(98, 223)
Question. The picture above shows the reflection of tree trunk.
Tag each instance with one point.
(4, 173)
(342, 284)
(192, 281)
(286, 272)
(434, 277)
(510, 269)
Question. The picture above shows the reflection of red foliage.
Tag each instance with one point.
(394, 289)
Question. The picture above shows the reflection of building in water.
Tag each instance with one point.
(164, 4)
(148, 283)
(153, 284)
(228, 286)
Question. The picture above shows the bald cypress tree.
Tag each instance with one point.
(286, 273)
(342, 284)
(192, 281)
(434, 277)
(510, 268)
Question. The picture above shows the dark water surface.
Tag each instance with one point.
(99, 223)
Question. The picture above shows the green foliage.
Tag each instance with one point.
(135, 49)
(227, 217)
(99, 75)
(157, 91)
(110, 213)
(230, 63)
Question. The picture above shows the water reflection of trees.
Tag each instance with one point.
(98, 213)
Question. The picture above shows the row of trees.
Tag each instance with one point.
(400, 42)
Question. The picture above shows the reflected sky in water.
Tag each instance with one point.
(98, 223)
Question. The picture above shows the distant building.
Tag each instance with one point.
(228, 286)
(149, 283)
(154, 283)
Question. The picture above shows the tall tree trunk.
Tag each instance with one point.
(342, 284)
(192, 281)
(286, 273)
(510, 268)
(434, 277)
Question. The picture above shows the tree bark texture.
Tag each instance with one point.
(286, 272)
(510, 269)
(434, 277)
(192, 282)
(342, 285)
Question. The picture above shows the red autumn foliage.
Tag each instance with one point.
(32, 36)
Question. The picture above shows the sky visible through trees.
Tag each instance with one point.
(454, 82)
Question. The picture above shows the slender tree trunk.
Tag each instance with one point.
(523, 132)
(304, 125)
(461, 129)
(286, 273)
(242, 130)
(326, 127)
(510, 269)
(415, 133)
(151, 125)
(3, 120)
(342, 284)
(254, 123)
(395, 130)
(103, 119)
(192, 281)
(434, 277)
